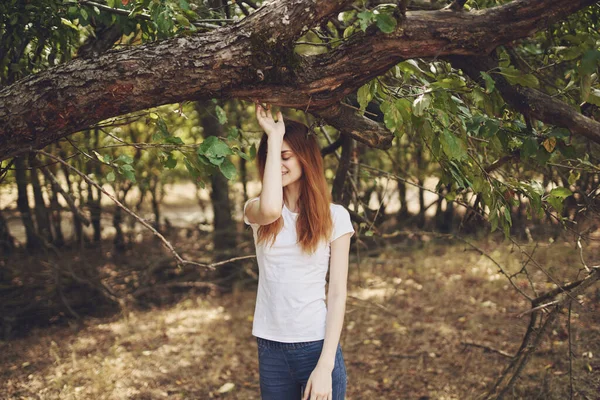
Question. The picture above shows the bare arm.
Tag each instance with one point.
(319, 383)
(268, 207)
(336, 299)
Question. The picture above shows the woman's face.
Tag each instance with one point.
(291, 170)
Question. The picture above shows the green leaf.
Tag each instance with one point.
(453, 83)
(182, 20)
(490, 84)
(494, 220)
(221, 115)
(453, 146)
(110, 176)
(475, 124)
(530, 147)
(571, 53)
(490, 128)
(124, 158)
(594, 97)
(589, 62)
(349, 31)
(561, 133)
(191, 169)
(100, 157)
(537, 187)
(385, 22)
(216, 160)
(420, 104)
(212, 147)
(162, 127)
(528, 80)
(173, 140)
(365, 19)
(233, 133)
(574, 177)
(228, 169)
(129, 175)
(184, 4)
(542, 156)
(171, 162)
(514, 76)
(242, 154)
(560, 192)
(364, 96)
(585, 86)
(391, 116)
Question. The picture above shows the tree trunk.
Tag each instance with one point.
(154, 183)
(403, 213)
(224, 238)
(41, 211)
(7, 242)
(94, 204)
(55, 213)
(33, 241)
(77, 223)
(420, 182)
(340, 192)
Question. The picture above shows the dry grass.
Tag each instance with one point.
(402, 339)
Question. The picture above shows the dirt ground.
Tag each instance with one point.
(411, 310)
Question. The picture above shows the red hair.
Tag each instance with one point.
(314, 217)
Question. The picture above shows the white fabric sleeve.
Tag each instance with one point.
(341, 222)
(244, 212)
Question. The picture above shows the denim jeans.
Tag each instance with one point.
(284, 369)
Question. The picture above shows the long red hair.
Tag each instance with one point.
(314, 217)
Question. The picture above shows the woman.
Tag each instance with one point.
(297, 232)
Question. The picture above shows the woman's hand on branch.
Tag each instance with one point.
(265, 120)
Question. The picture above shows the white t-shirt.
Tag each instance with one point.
(290, 302)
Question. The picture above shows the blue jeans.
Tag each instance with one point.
(284, 369)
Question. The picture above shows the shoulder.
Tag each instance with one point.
(337, 209)
(339, 213)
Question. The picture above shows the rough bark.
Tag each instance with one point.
(255, 59)
(339, 191)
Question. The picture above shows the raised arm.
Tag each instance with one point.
(268, 207)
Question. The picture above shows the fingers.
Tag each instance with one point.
(307, 390)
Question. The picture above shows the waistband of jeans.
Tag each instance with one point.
(282, 345)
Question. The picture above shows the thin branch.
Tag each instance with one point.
(488, 349)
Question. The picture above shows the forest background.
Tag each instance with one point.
(462, 136)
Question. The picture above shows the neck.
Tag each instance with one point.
(291, 195)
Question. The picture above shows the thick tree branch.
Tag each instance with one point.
(531, 102)
(363, 129)
(253, 59)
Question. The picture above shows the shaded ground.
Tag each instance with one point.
(409, 312)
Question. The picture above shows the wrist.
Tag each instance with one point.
(275, 137)
(326, 364)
